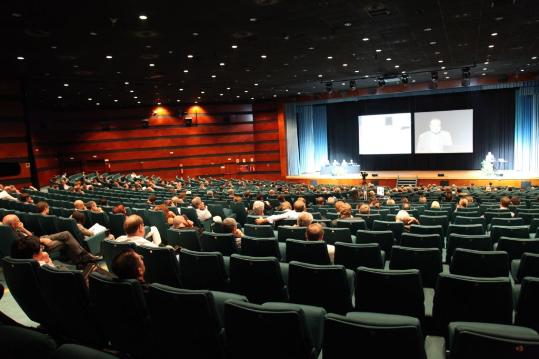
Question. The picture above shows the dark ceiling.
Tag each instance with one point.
(284, 47)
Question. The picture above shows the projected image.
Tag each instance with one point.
(385, 134)
(444, 131)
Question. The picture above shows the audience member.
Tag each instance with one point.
(203, 213)
(435, 205)
(30, 248)
(229, 225)
(130, 265)
(181, 222)
(134, 229)
(299, 206)
(79, 205)
(42, 208)
(364, 209)
(304, 219)
(315, 232)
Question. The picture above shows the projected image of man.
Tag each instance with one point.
(435, 140)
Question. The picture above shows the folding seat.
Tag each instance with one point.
(353, 225)
(19, 342)
(467, 214)
(314, 252)
(116, 224)
(218, 242)
(390, 291)
(490, 215)
(66, 295)
(157, 219)
(239, 210)
(477, 242)
(259, 231)
(396, 227)
(290, 232)
(386, 336)
(340, 234)
(262, 247)
(70, 351)
(534, 226)
(98, 217)
(161, 265)
(217, 210)
(510, 221)
(527, 311)
(436, 212)
(416, 240)
(33, 225)
(435, 220)
(121, 311)
(252, 218)
(368, 218)
(49, 224)
(352, 255)
(386, 239)
(382, 212)
(526, 266)
(462, 298)
(424, 229)
(471, 220)
(183, 238)
(203, 270)
(327, 286)
(509, 231)
(471, 229)
(142, 213)
(427, 260)
(22, 279)
(110, 249)
(7, 237)
(529, 218)
(332, 215)
(273, 330)
(258, 278)
(474, 263)
(187, 323)
(472, 340)
(93, 243)
(515, 247)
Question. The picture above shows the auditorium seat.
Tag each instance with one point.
(49, 224)
(110, 249)
(98, 217)
(491, 214)
(509, 231)
(72, 351)
(33, 225)
(368, 218)
(471, 220)
(477, 242)
(516, 246)
(262, 247)
(353, 225)
(474, 263)
(258, 278)
(352, 255)
(430, 229)
(429, 220)
(530, 218)
(93, 243)
(218, 242)
(527, 310)
(8, 237)
(527, 265)
(416, 240)
(390, 291)
(396, 227)
(386, 239)
(161, 265)
(203, 270)
(19, 342)
(157, 219)
(314, 252)
(327, 286)
(116, 224)
(471, 229)
(510, 221)
(340, 234)
(427, 260)
(273, 330)
(383, 336)
(183, 238)
(290, 232)
(259, 230)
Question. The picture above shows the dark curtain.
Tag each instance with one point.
(494, 127)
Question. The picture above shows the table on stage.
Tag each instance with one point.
(339, 170)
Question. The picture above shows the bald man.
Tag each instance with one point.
(79, 205)
(134, 229)
(299, 206)
(315, 232)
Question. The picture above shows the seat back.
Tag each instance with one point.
(509, 221)
(496, 214)
(33, 225)
(396, 227)
(314, 252)
(390, 291)
(239, 210)
(509, 231)
(416, 240)
(435, 220)
(203, 270)
(515, 247)
(424, 229)
(290, 232)
(161, 265)
(258, 278)
(389, 336)
(386, 239)
(352, 255)
(527, 309)
(66, 295)
(116, 224)
(19, 342)
(529, 266)
(184, 238)
(260, 247)
(353, 224)
(49, 224)
(98, 217)
(326, 286)
(369, 219)
(341, 234)
(124, 320)
(218, 242)
(427, 260)
(157, 219)
(68, 351)
(471, 220)
(462, 298)
(471, 229)
(70, 225)
(7, 238)
(110, 249)
(259, 231)
(474, 263)
(476, 242)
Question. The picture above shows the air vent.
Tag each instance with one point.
(379, 10)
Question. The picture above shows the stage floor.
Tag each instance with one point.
(465, 177)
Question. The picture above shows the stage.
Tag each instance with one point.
(459, 178)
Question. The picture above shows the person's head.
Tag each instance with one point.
(11, 220)
(406, 206)
(315, 232)
(180, 222)
(435, 205)
(435, 125)
(320, 200)
(390, 202)
(175, 200)
(364, 209)
(129, 265)
(229, 225)
(515, 200)
(463, 203)
(299, 206)
(339, 205)
(258, 207)
(25, 198)
(285, 205)
(79, 205)
(119, 209)
(305, 219)
(25, 247)
(42, 207)
(402, 216)
(152, 199)
(91, 206)
(197, 203)
(346, 211)
(79, 217)
(505, 202)
(331, 200)
(134, 225)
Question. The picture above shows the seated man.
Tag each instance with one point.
(62, 241)
(258, 208)
(299, 206)
(203, 213)
(130, 265)
(134, 229)
(315, 232)
(404, 217)
(92, 206)
(230, 225)
(181, 222)
(43, 208)
(6, 192)
(30, 247)
(505, 202)
(25, 198)
(364, 209)
(79, 205)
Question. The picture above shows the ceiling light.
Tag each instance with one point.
(486, 62)
(115, 100)
(388, 59)
(534, 58)
(245, 91)
(93, 33)
(427, 29)
(397, 66)
(213, 76)
(263, 56)
(320, 75)
(195, 34)
(109, 57)
(347, 24)
(521, 70)
(234, 46)
(59, 96)
(356, 71)
(97, 104)
(143, 17)
(432, 43)
(186, 71)
(365, 39)
(152, 65)
(190, 56)
(256, 83)
(138, 101)
(441, 61)
(344, 65)
(20, 58)
(485, 69)
(490, 46)
(202, 92)
(443, 67)
(228, 88)
(483, 74)
(494, 34)
(330, 57)
(126, 83)
(89, 99)
(178, 100)
(311, 48)
(237, 96)
(131, 91)
(274, 95)
(66, 85)
(252, 98)
(181, 89)
(378, 50)
(220, 94)
(221, 64)
(135, 97)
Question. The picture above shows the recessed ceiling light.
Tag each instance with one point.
(378, 50)
(234, 46)
(221, 64)
(20, 58)
(202, 92)
(66, 85)
(93, 33)
(499, 18)
(159, 103)
(347, 24)
(220, 94)
(486, 62)
(447, 77)
(443, 67)
(213, 76)
(494, 34)
(178, 100)
(432, 43)
(228, 88)
(135, 97)
(263, 56)
(246, 91)
(521, 70)
(490, 46)
(59, 96)
(15, 14)
(445, 72)
(252, 98)
(109, 57)
(344, 65)
(195, 34)
(97, 104)
(311, 48)
(89, 99)
(237, 96)
(320, 75)
(397, 66)
(534, 57)
(485, 69)
(54, 47)
(115, 100)
(427, 29)
(131, 91)
(274, 95)
(126, 83)
(330, 57)
(186, 71)
(143, 17)
(253, 19)
(190, 56)
(152, 65)
(138, 101)
(256, 83)
(388, 59)
(367, 76)
(356, 71)
(483, 74)
(365, 39)
(441, 61)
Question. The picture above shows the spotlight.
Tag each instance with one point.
(405, 78)
(329, 87)
(465, 77)
(381, 82)
(434, 76)
(353, 85)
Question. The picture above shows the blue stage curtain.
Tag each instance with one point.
(292, 149)
(312, 136)
(527, 129)
(320, 136)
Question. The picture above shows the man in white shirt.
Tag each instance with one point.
(299, 206)
(134, 227)
(435, 140)
(203, 213)
(4, 194)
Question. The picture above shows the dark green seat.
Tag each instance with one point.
(427, 260)
(515, 247)
(353, 225)
(314, 252)
(527, 310)
(499, 214)
(386, 239)
(7, 238)
(387, 335)
(49, 224)
(203, 270)
(474, 263)
(396, 227)
(157, 219)
(110, 249)
(352, 255)
(116, 224)
(218, 242)
(416, 240)
(18, 342)
(509, 231)
(369, 219)
(184, 238)
(259, 231)
(161, 265)
(340, 234)
(435, 220)
(98, 217)
(471, 220)
(471, 229)
(390, 291)
(424, 229)
(509, 221)
(527, 265)
(261, 247)
(477, 242)
(290, 232)
(70, 351)
(33, 224)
